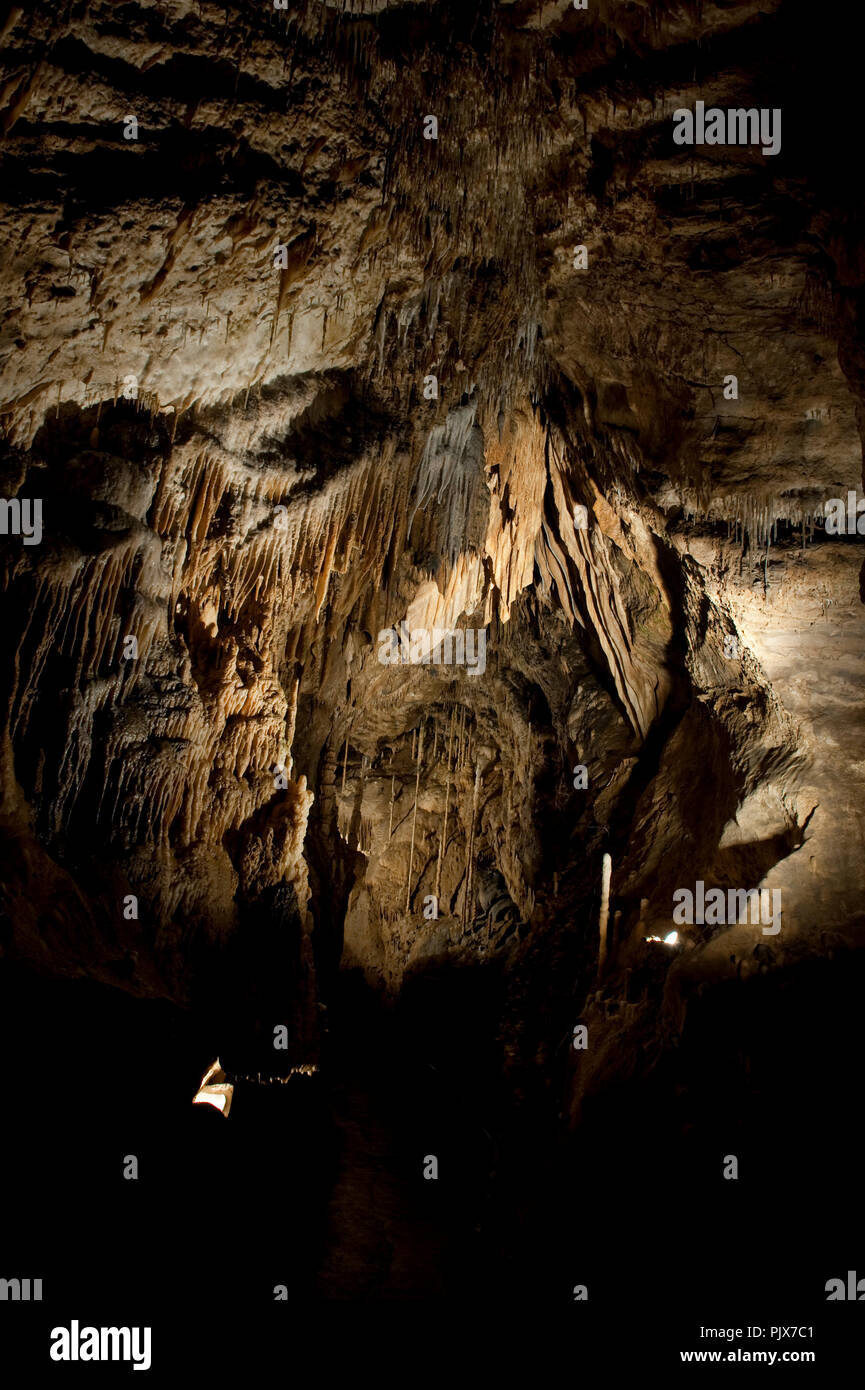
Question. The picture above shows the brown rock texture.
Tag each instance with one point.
(286, 374)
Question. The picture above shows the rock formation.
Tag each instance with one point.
(291, 365)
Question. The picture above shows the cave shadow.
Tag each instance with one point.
(766, 1070)
(425, 1067)
(751, 862)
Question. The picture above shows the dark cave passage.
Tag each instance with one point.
(318, 1186)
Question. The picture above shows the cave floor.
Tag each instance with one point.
(319, 1186)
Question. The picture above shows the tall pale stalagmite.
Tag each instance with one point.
(606, 871)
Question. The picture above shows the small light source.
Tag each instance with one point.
(671, 939)
(214, 1089)
(220, 1100)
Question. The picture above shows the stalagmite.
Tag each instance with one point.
(414, 822)
(344, 763)
(606, 871)
(392, 799)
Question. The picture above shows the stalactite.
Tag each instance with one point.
(444, 832)
(414, 823)
(291, 723)
(469, 875)
(449, 474)
(757, 515)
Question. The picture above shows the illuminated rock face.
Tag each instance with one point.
(284, 373)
